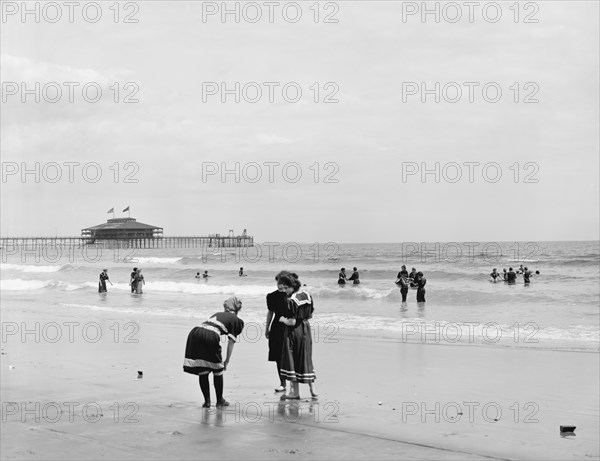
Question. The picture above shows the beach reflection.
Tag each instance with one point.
(404, 310)
(213, 416)
(297, 411)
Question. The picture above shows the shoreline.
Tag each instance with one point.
(422, 390)
(405, 330)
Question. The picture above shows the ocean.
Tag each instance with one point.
(558, 310)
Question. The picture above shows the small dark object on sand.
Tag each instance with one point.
(567, 428)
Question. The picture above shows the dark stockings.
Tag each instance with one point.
(281, 378)
(205, 387)
(218, 382)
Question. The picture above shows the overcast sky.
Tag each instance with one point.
(360, 146)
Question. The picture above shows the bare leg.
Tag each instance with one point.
(294, 389)
(294, 392)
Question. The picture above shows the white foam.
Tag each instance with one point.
(29, 268)
(153, 260)
(351, 292)
(206, 288)
(28, 285)
(523, 260)
(22, 285)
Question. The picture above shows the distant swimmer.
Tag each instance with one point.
(421, 281)
(342, 276)
(521, 269)
(205, 275)
(132, 279)
(241, 273)
(511, 276)
(103, 280)
(354, 276)
(494, 275)
(504, 275)
(198, 276)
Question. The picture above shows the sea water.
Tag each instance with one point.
(559, 309)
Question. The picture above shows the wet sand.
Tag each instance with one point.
(80, 397)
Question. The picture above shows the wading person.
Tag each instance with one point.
(342, 276)
(139, 281)
(421, 281)
(511, 276)
(402, 282)
(132, 279)
(354, 277)
(103, 280)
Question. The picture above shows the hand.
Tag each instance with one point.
(267, 334)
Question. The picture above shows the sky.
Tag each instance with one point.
(356, 149)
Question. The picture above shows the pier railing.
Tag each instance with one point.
(162, 242)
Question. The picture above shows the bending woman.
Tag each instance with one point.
(296, 361)
(203, 349)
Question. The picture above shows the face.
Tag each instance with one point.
(280, 287)
(288, 290)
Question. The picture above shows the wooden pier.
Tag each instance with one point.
(216, 241)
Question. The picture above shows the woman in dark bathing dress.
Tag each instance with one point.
(296, 361)
(277, 305)
(203, 349)
(103, 280)
(421, 281)
(402, 282)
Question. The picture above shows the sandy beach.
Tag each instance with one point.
(77, 395)
(194, 150)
